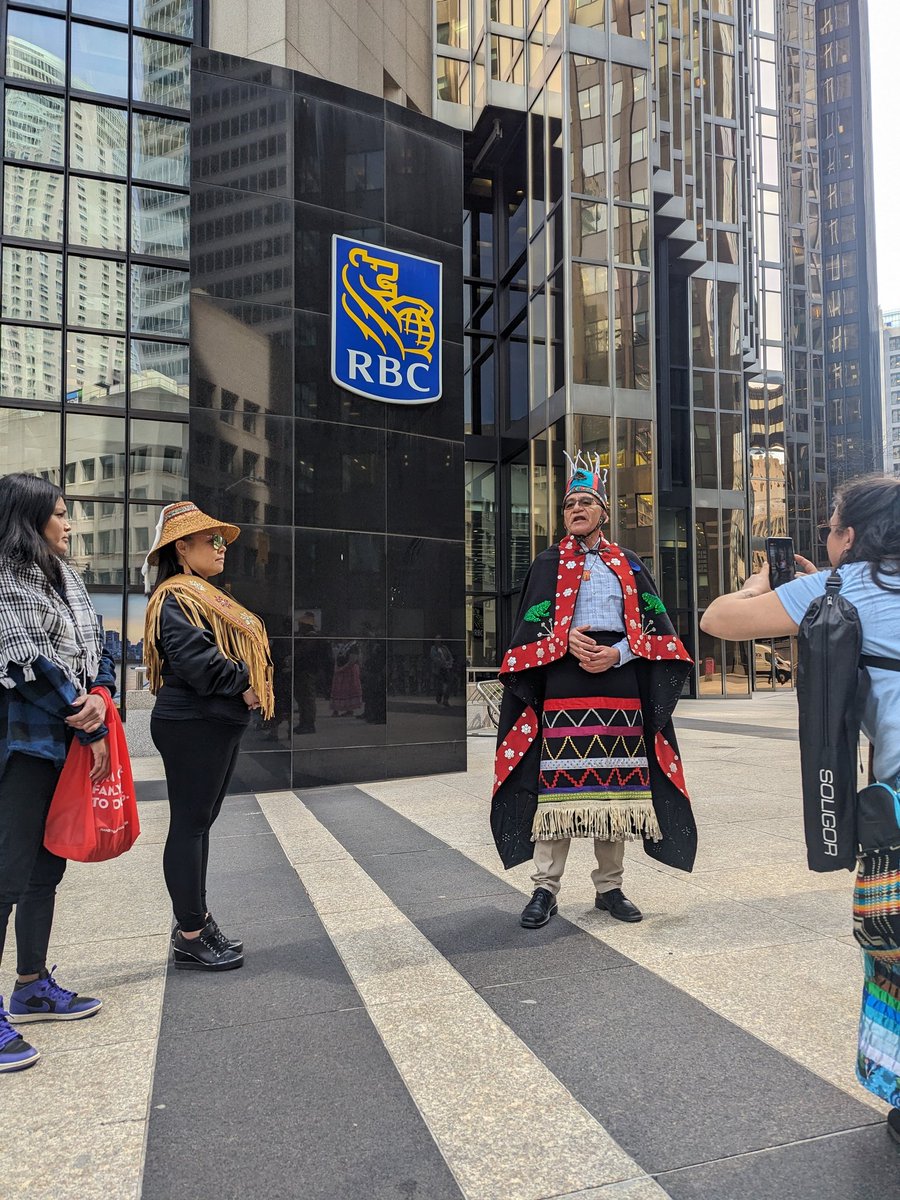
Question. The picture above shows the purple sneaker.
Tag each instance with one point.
(15, 1053)
(45, 1000)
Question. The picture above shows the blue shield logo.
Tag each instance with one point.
(385, 323)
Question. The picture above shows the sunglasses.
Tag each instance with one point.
(823, 533)
(587, 503)
(217, 541)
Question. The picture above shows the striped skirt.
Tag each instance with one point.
(594, 777)
(878, 1060)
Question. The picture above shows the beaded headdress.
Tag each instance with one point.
(586, 475)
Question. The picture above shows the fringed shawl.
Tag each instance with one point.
(239, 634)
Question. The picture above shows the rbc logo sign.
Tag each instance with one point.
(386, 323)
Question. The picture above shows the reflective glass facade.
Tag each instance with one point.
(94, 277)
(644, 277)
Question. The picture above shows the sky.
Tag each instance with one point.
(884, 32)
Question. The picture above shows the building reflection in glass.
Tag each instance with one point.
(94, 281)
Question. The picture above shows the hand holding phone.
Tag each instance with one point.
(782, 564)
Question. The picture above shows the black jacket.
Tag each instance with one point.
(198, 680)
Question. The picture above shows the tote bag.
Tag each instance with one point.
(876, 896)
(94, 822)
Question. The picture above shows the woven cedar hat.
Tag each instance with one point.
(587, 476)
(181, 520)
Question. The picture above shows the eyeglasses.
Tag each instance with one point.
(823, 533)
(217, 541)
(588, 502)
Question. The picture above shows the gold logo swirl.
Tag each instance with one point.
(371, 299)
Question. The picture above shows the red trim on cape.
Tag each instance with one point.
(555, 644)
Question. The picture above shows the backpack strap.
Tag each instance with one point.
(883, 664)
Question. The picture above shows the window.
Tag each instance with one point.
(30, 365)
(160, 150)
(98, 213)
(36, 47)
(175, 16)
(99, 60)
(161, 73)
(33, 204)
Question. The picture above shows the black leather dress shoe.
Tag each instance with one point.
(539, 909)
(617, 904)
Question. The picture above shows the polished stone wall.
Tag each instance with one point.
(351, 510)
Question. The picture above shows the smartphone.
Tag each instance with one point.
(780, 554)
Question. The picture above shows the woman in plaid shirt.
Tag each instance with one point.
(51, 655)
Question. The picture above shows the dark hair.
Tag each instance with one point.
(871, 507)
(27, 503)
(168, 564)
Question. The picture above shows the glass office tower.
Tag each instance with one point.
(644, 278)
(94, 277)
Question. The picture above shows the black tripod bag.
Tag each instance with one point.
(829, 644)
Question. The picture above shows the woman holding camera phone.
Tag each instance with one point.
(862, 540)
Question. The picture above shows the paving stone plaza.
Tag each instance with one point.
(395, 1034)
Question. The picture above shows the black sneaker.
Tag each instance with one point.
(233, 943)
(209, 951)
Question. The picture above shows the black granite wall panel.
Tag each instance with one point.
(352, 510)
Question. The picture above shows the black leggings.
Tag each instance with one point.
(199, 758)
(29, 874)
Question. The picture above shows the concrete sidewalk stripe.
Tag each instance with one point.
(758, 731)
(80, 1113)
(848, 1166)
(506, 1127)
(272, 1080)
(757, 985)
(672, 1081)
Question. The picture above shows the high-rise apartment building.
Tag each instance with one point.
(665, 212)
(890, 361)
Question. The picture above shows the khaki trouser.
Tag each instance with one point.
(550, 862)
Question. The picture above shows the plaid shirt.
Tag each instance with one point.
(33, 712)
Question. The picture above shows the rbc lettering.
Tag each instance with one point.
(389, 372)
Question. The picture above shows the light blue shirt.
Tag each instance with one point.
(600, 605)
(879, 615)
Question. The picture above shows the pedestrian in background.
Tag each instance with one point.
(51, 655)
(209, 667)
(346, 682)
(441, 671)
(862, 540)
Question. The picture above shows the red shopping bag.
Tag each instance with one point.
(93, 822)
